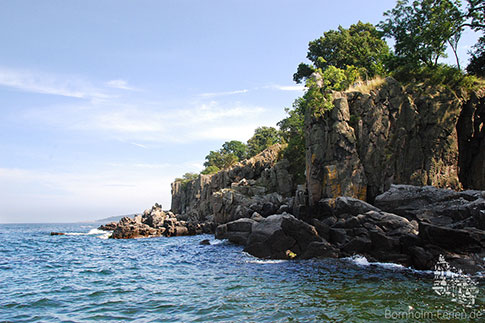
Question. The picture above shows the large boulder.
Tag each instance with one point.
(341, 205)
(468, 240)
(236, 231)
(433, 205)
(281, 236)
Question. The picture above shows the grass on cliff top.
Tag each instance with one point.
(440, 77)
(367, 86)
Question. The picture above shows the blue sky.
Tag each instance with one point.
(104, 103)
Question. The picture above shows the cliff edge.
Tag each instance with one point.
(395, 135)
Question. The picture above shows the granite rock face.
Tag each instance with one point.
(260, 184)
(413, 227)
(279, 236)
(394, 135)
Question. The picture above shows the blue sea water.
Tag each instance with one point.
(83, 277)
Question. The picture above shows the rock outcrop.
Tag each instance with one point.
(395, 135)
(413, 227)
(155, 223)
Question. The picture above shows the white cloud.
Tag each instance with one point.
(140, 125)
(120, 84)
(299, 88)
(86, 194)
(216, 94)
(139, 145)
(48, 84)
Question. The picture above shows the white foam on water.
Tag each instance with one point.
(96, 231)
(217, 241)
(363, 262)
(90, 233)
(105, 236)
(266, 261)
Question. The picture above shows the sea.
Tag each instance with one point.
(85, 277)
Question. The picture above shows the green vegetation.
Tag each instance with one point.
(186, 178)
(361, 46)
(235, 151)
(358, 58)
(292, 132)
(263, 138)
(477, 61)
(422, 30)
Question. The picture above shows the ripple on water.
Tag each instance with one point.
(82, 278)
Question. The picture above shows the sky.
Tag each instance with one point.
(103, 103)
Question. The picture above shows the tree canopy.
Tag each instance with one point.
(423, 29)
(263, 138)
(476, 13)
(234, 151)
(361, 46)
(477, 61)
(235, 147)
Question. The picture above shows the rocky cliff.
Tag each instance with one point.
(393, 134)
(260, 184)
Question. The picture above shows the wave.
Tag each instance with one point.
(266, 261)
(99, 233)
(217, 241)
(363, 262)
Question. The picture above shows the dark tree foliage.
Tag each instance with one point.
(476, 13)
(224, 157)
(361, 46)
(477, 60)
(236, 148)
(263, 138)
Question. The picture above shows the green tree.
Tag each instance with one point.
(293, 133)
(475, 12)
(230, 153)
(214, 158)
(236, 148)
(210, 170)
(422, 29)
(361, 46)
(263, 138)
(477, 60)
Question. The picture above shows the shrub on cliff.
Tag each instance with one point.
(292, 132)
(187, 177)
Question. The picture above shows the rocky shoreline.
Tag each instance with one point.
(426, 140)
(408, 225)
